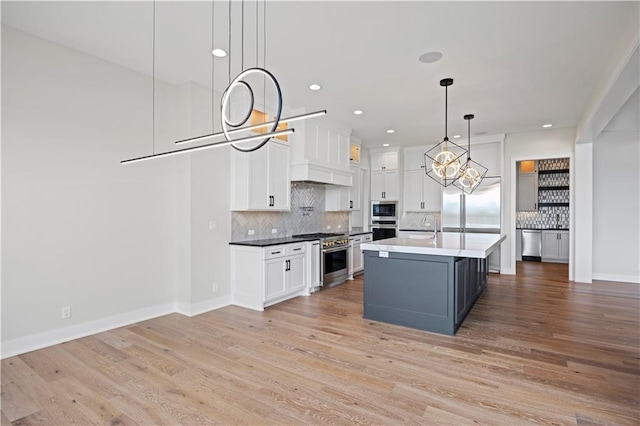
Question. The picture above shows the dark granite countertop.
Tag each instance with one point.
(544, 229)
(354, 233)
(271, 241)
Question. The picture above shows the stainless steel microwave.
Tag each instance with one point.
(384, 210)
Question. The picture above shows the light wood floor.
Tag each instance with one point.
(534, 349)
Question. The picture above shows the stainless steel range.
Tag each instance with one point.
(334, 258)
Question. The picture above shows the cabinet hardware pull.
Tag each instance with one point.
(350, 204)
(315, 244)
(297, 249)
(276, 252)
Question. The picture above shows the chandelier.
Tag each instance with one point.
(443, 162)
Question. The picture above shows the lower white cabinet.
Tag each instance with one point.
(313, 265)
(357, 257)
(555, 246)
(263, 276)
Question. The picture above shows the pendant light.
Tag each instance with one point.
(471, 173)
(230, 128)
(443, 162)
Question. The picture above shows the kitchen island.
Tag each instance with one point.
(426, 283)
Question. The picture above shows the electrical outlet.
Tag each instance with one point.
(251, 232)
(215, 287)
(213, 225)
(328, 226)
(274, 231)
(339, 226)
(66, 312)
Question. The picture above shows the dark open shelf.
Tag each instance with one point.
(553, 188)
(550, 172)
(553, 205)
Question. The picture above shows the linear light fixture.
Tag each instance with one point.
(256, 126)
(203, 147)
(229, 127)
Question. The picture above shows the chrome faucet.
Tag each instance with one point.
(435, 223)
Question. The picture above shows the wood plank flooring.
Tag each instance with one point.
(535, 349)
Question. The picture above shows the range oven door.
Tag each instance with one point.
(335, 266)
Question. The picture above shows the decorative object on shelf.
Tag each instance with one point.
(231, 128)
(443, 161)
(472, 172)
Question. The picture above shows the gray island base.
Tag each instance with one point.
(427, 285)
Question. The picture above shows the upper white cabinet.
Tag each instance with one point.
(384, 160)
(421, 193)
(354, 150)
(320, 152)
(260, 180)
(385, 185)
(345, 198)
(385, 178)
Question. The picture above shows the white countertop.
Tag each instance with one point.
(446, 244)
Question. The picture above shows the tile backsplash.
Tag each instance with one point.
(556, 216)
(307, 215)
(416, 220)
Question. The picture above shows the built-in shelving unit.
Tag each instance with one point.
(550, 172)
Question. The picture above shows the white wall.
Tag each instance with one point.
(548, 143)
(116, 243)
(616, 198)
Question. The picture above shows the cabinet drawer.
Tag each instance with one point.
(292, 249)
(357, 240)
(274, 252)
(368, 237)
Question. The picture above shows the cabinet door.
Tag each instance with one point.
(550, 245)
(391, 160)
(313, 263)
(274, 285)
(563, 245)
(295, 274)
(279, 177)
(337, 198)
(431, 194)
(259, 191)
(414, 159)
(461, 285)
(355, 193)
(413, 191)
(528, 192)
(356, 255)
(391, 185)
(377, 161)
(377, 185)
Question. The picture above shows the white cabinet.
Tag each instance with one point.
(421, 193)
(344, 198)
(384, 160)
(385, 185)
(313, 265)
(555, 246)
(260, 180)
(356, 264)
(262, 276)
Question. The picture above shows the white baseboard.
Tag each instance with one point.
(614, 277)
(53, 337)
(202, 307)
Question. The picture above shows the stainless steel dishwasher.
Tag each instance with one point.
(532, 245)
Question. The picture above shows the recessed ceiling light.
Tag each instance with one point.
(430, 57)
(219, 53)
(547, 125)
(391, 131)
(385, 144)
(315, 87)
(358, 112)
(456, 136)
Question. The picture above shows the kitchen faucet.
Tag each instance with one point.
(435, 223)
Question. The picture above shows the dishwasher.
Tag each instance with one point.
(532, 245)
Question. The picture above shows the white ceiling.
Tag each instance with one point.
(516, 65)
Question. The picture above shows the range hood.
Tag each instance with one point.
(305, 171)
